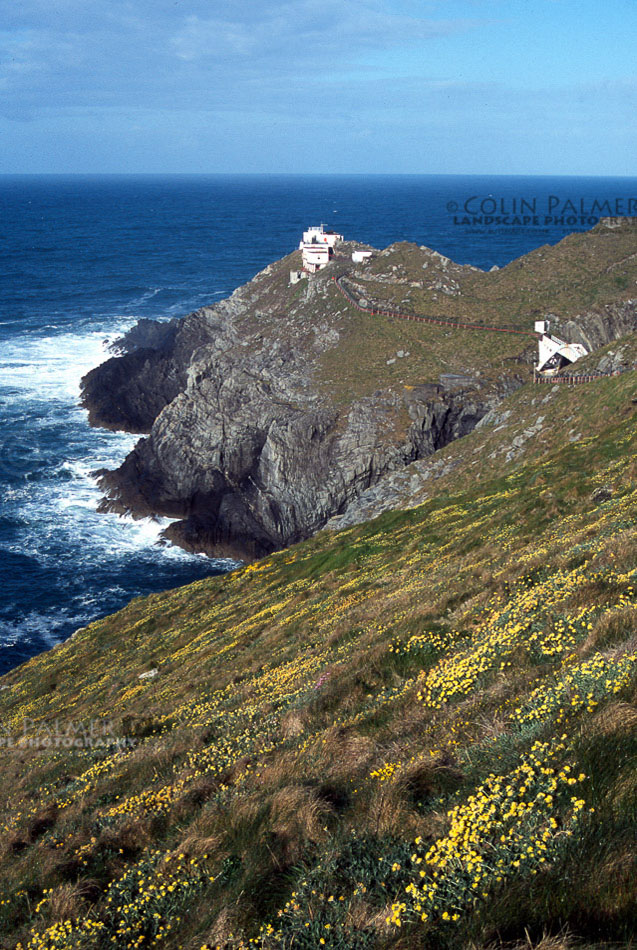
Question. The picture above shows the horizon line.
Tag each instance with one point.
(263, 174)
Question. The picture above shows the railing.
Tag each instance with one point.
(575, 378)
(572, 380)
(435, 321)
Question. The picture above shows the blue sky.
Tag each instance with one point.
(435, 86)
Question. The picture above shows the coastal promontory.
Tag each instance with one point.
(270, 412)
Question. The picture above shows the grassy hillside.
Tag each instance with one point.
(579, 273)
(418, 732)
(521, 428)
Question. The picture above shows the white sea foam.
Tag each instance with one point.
(40, 381)
(50, 367)
(145, 297)
(45, 628)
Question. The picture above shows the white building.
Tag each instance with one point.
(318, 235)
(360, 256)
(555, 354)
(317, 247)
(315, 256)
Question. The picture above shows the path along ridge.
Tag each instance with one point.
(452, 324)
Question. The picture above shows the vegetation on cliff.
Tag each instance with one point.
(415, 732)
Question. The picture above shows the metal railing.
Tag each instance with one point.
(573, 379)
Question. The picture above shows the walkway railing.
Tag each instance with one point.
(435, 321)
(571, 380)
(575, 378)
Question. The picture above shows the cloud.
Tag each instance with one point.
(156, 55)
(162, 75)
(302, 33)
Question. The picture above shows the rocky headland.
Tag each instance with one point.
(272, 411)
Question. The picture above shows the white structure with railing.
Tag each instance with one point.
(318, 235)
(555, 354)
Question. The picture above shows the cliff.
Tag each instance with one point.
(272, 411)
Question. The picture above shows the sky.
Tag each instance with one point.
(546, 87)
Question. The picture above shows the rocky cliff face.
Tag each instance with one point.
(249, 466)
(129, 391)
(254, 440)
(250, 455)
(595, 329)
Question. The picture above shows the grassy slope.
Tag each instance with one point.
(355, 364)
(523, 427)
(581, 272)
(418, 732)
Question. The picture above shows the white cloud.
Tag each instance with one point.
(344, 71)
(302, 33)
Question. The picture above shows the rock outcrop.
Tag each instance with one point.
(128, 391)
(595, 329)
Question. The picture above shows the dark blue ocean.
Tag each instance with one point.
(82, 258)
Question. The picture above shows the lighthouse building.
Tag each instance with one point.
(317, 247)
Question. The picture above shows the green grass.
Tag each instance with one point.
(578, 274)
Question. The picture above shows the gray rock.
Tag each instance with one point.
(250, 455)
(595, 329)
(603, 493)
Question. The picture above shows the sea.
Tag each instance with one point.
(82, 258)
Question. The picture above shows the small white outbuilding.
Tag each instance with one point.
(555, 354)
